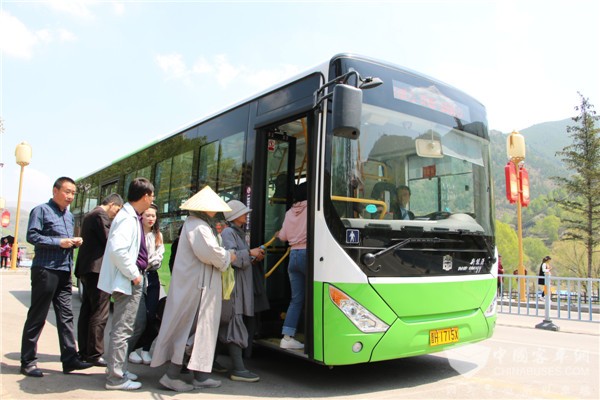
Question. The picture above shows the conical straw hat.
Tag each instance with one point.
(205, 200)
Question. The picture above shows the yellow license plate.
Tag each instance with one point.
(443, 336)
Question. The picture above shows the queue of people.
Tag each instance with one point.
(120, 251)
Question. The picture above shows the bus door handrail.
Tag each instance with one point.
(364, 201)
(278, 263)
(268, 244)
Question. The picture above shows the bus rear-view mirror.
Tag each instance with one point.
(347, 107)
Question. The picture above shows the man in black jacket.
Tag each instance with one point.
(93, 315)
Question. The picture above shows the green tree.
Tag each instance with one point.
(569, 259)
(536, 250)
(582, 219)
(508, 246)
(547, 228)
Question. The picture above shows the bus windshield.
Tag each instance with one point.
(413, 174)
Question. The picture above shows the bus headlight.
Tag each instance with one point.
(362, 318)
(491, 310)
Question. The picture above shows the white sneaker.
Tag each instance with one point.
(146, 357)
(135, 358)
(130, 375)
(291, 344)
(127, 385)
(127, 375)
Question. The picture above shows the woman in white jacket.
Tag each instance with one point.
(146, 332)
(191, 318)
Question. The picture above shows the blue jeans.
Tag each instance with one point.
(297, 272)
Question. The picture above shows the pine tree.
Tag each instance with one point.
(582, 158)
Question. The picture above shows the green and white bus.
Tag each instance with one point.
(381, 283)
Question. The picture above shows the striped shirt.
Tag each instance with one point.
(47, 226)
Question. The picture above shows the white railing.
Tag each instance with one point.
(569, 298)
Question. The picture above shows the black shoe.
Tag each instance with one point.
(76, 364)
(97, 362)
(33, 371)
(244, 376)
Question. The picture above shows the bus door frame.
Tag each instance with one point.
(263, 134)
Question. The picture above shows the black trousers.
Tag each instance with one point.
(48, 286)
(93, 317)
(152, 323)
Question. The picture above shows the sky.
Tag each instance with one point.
(86, 82)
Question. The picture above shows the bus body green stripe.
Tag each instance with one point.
(437, 298)
(318, 316)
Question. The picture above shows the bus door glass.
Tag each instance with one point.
(286, 166)
(280, 152)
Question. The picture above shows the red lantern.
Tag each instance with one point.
(512, 189)
(524, 186)
(5, 218)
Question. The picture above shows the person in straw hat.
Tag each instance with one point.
(238, 312)
(192, 313)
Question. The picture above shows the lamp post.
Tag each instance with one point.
(515, 150)
(23, 156)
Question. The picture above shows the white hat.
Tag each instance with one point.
(237, 210)
(205, 200)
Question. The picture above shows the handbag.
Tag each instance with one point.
(228, 281)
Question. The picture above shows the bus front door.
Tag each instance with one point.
(284, 166)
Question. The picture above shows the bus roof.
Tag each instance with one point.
(319, 68)
(181, 128)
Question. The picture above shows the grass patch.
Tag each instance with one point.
(164, 274)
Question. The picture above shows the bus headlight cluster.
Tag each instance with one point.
(491, 310)
(362, 318)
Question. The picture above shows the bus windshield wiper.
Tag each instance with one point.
(369, 258)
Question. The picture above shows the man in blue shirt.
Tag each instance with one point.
(50, 230)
